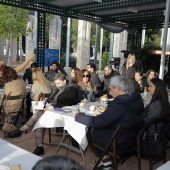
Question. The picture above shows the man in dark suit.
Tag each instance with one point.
(95, 78)
(125, 110)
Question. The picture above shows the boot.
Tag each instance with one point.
(39, 150)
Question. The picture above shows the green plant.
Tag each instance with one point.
(72, 61)
(105, 58)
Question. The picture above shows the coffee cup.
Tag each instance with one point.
(92, 108)
(81, 105)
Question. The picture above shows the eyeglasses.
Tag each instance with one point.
(86, 76)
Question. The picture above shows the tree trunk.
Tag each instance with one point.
(7, 52)
(11, 52)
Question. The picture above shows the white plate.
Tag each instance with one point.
(91, 113)
(68, 107)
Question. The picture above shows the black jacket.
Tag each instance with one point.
(106, 81)
(28, 76)
(124, 110)
(139, 88)
(67, 98)
(130, 73)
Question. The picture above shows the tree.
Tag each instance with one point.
(105, 58)
(13, 21)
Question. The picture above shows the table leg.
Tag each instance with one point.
(71, 147)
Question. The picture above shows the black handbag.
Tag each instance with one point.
(153, 145)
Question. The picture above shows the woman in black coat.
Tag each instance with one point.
(140, 83)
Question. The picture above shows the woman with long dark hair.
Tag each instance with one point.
(87, 86)
(159, 105)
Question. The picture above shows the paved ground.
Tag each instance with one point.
(26, 141)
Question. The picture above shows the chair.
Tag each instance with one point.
(122, 156)
(151, 159)
(21, 107)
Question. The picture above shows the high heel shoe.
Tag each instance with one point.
(14, 134)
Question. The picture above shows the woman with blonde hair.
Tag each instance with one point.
(41, 84)
(86, 86)
(129, 69)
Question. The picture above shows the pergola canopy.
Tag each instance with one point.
(110, 14)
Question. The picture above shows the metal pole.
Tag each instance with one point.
(60, 27)
(68, 43)
(143, 38)
(96, 44)
(166, 23)
(35, 32)
(101, 43)
(111, 47)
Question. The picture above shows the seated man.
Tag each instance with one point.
(108, 74)
(65, 95)
(125, 110)
(27, 77)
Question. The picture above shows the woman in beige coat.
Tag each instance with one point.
(13, 86)
(40, 84)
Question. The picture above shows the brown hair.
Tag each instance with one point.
(9, 74)
(140, 73)
(2, 67)
(149, 71)
(77, 74)
(89, 84)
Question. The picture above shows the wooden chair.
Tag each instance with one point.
(21, 110)
(122, 156)
(151, 159)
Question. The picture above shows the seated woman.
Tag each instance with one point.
(13, 86)
(75, 75)
(87, 87)
(75, 79)
(140, 83)
(40, 84)
(1, 68)
(158, 106)
(151, 74)
(65, 95)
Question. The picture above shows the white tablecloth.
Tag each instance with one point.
(53, 118)
(165, 166)
(14, 155)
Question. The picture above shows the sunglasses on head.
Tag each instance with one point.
(86, 76)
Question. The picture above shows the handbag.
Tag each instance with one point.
(153, 145)
(39, 104)
(8, 127)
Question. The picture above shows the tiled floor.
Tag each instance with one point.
(26, 141)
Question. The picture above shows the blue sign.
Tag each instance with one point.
(50, 56)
